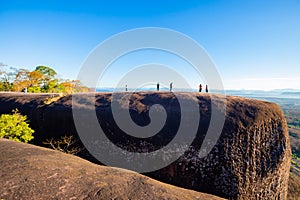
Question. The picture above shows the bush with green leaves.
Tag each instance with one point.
(15, 127)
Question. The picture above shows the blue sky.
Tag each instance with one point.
(254, 44)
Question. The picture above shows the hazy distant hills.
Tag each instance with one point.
(290, 93)
(260, 94)
(278, 93)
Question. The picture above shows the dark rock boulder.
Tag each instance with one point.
(250, 160)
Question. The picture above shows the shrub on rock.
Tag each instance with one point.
(15, 127)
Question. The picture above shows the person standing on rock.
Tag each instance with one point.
(206, 89)
(126, 88)
(200, 88)
(171, 86)
(157, 86)
(24, 90)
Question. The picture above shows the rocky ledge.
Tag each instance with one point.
(250, 159)
(31, 172)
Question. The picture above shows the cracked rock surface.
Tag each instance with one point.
(32, 172)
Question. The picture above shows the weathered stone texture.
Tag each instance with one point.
(251, 159)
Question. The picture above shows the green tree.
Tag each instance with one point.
(15, 127)
(5, 86)
(34, 89)
(52, 86)
(32, 80)
(21, 80)
(48, 72)
(6, 77)
(49, 80)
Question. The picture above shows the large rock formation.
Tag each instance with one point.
(250, 160)
(31, 172)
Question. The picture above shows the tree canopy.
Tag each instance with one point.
(48, 72)
(42, 79)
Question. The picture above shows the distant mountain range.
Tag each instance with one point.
(277, 93)
(290, 93)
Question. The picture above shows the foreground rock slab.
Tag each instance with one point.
(31, 172)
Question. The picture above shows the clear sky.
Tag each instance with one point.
(255, 44)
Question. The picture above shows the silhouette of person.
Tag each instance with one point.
(157, 86)
(171, 86)
(200, 88)
(24, 90)
(206, 89)
(126, 88)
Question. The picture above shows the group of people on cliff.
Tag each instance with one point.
(200, 88)
(171, 87)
